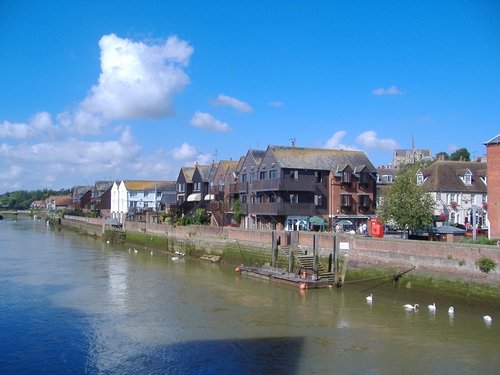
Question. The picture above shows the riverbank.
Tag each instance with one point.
(444, 273)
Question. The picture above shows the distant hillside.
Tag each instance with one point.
(22, 199)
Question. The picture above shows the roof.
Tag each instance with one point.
(493, 141)
(145, 185)
(257, 155)
(320, 158)
(188, 174)
(204, 171)
(448, 229)
(444, 175)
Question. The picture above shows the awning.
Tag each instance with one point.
(209, 197)
(196, 197)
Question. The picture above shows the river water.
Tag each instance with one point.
(73, 305)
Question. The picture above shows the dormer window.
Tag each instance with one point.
(467, 178)
(346, 177)
(420, 178)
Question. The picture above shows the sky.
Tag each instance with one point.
(111, 90)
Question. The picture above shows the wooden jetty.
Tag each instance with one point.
(308, 273)
(302, 279)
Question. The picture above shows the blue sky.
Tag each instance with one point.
(97, 90)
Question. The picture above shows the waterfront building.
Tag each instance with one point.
(493, 173)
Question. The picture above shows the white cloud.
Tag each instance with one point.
(14, 130)
(276, 104)
(224, 100)
(392, 90)
(335, 141)
(369, 140)
(207, 121)
(40, 123)
(184, 152)
(12, 172)
(138, 80)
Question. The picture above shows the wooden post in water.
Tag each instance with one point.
(290, 260)
(315, 255)
(274, 245)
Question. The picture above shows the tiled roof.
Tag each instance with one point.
(494, 140)
(188, 174)
(204, 171)
(143, 185)
(444, 175)
(320, 158)
(257, 155)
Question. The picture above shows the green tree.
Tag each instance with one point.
(237, 211)
(442, 155)
(407, 205)
(460, 155)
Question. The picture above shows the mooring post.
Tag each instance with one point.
(274, 249)
(334, 265)
(290, 260)
(315, 255)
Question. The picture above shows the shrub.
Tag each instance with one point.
(486, 264)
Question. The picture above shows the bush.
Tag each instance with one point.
(486, 264)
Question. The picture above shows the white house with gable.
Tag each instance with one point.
(130, 196)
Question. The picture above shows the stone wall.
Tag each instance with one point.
(454, 259)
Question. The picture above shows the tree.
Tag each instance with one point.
(442, 155)
(460, 155)
(237, 212)
(408, 205)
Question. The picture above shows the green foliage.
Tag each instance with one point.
(461, 262)
(486, 264)
(460, 155)
(409, 206)
(200, 217)
(478, 241)
(22, 199)
(237, 211)
(442, 155)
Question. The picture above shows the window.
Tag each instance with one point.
(420, 178)
(146, 193)
(244, 177)
(364, 201)
(364, 178)
(273, 175)
(243, 199)
(197, 186)
(252, 176)
(272, 198)
(346, 177)
(133, 193)
(345, 200)
(451, 198)
(468, 178)
(294, 198)
(318, 200)
(180, 188)
(263, 175)
(294, 174)
(319, 176)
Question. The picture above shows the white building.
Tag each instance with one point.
(131, 196)
(459, 189)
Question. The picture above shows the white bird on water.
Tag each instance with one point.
(487, 318)
(411, 307)
(369, 298)
(432, 307)
(451, 310)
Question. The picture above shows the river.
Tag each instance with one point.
(76, 305)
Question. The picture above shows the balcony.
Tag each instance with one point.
(284, 184)
(281, 209)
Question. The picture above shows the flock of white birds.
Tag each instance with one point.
(432, 308)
